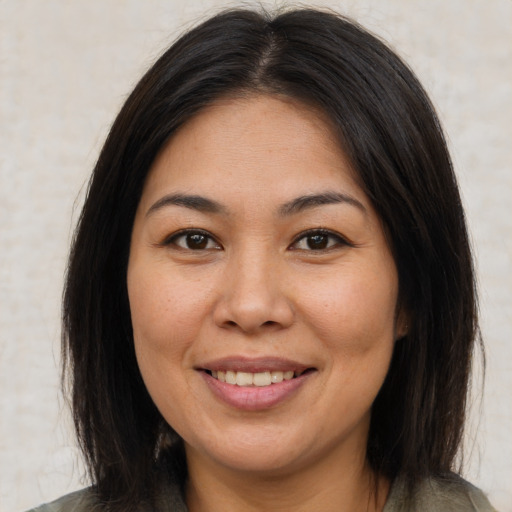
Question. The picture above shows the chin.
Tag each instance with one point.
(259, 463)
(265, 454)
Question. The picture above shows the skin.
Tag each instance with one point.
(256, 286)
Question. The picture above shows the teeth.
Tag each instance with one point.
(259, 379)
(262, 379)
(276, 377)
(244, 379)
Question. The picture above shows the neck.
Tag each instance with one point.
(328, 485)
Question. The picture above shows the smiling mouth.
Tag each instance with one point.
(258, 379)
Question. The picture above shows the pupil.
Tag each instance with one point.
(317, 241)
(196, 241)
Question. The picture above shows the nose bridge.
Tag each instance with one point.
(253, 294)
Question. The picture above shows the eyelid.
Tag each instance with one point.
(170, 239)
(342, 240)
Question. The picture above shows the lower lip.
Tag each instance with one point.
(255, 398)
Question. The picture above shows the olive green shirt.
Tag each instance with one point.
(433, 495)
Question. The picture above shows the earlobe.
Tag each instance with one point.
(402, 324)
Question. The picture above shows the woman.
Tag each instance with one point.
(270, 299)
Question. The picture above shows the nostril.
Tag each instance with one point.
(268, 323)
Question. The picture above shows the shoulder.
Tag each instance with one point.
(170, 499)
(78, 501)
(449, 494)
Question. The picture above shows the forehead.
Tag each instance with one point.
(257, 139)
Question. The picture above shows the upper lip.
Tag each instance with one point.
(254, 365)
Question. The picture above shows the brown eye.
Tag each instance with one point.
(318, 240)
(194, 241)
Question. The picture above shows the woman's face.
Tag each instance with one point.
(262, 290)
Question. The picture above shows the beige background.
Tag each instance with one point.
(65, 69)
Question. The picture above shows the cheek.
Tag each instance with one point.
(351, 309)
(164, 326)
(165, 311)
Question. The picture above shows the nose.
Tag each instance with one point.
(253, 297)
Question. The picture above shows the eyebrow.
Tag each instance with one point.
(194, 202)
(313, 200)
(297, 205)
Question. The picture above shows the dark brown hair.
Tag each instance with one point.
(389, 130)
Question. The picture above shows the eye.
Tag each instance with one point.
(194, 240)
(318, 240)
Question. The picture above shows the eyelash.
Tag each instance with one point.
(172, 240)
(339, 240)
(208, 238)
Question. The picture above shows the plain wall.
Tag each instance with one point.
(65, 69)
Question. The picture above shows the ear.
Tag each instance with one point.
(402, 323)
